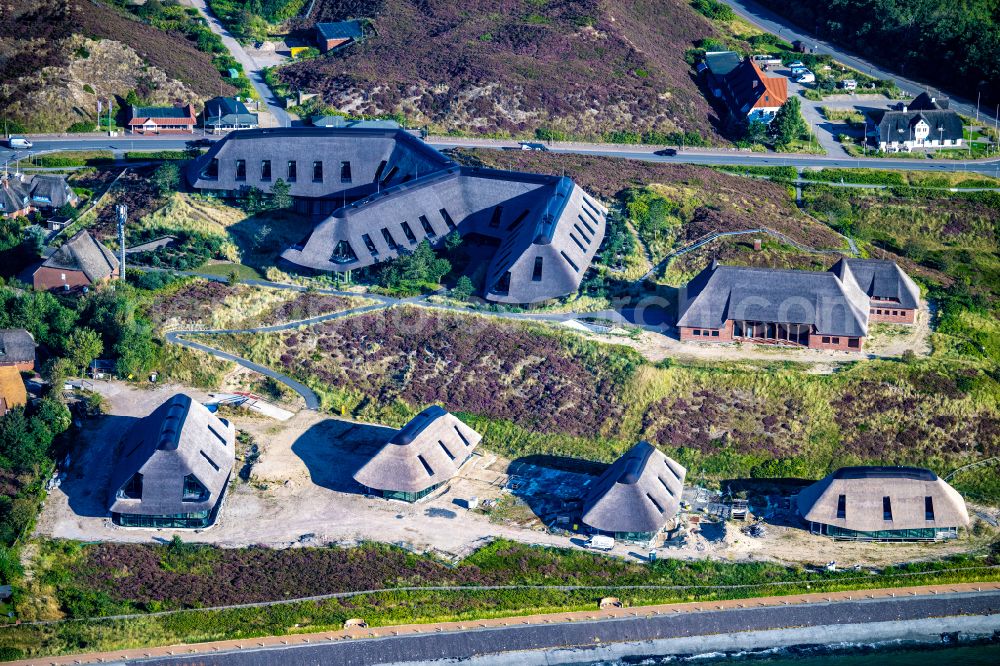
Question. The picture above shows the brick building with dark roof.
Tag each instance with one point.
(338, 34)
(816, 309)
(81, 262)
(162, 119)
(17, 349)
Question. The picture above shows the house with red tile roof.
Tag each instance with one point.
(162, 120)
(747, 91)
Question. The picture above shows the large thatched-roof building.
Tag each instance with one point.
(172, 467)
(635, 497)
(883, 504)
(382, 192)
(421, 457)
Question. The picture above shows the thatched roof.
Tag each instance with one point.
(16, 346)
(880, 279)
(640, 492)
(181, 437)
(84, 253)
(12, 391)
(427, 451)
(864, 490)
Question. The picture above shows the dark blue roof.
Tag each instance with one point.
(340, 30)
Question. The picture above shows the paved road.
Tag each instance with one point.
(468, 644)
(779, 25)
(312, 400)
(707, 158)
(249, 64)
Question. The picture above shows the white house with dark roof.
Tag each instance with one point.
(924, 123)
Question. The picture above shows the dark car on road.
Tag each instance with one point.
(667, 152)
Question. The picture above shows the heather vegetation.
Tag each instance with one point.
(552, 70)
(88, 581)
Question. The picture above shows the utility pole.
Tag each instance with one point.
(122, 211)
(978, 97)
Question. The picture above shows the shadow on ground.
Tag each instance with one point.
(333, 451)
(86, 482)
(553, 487)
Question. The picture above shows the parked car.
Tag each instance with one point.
(806, 77)
(601, 542)
(533, 146)
(667, 152)
(798, 70)
(19, 142)
(797, 63)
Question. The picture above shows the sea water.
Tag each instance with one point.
(864, 655)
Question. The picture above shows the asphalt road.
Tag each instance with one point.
(779, 25)
(130, 143)
(467, 644)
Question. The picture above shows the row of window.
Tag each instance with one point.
(851, 342)
(886, 507)
(894, 313)
(193, 489)
(706, 333)
(291, 171)
(344, 252)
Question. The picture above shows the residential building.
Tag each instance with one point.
(51, 191)
(12, 391)
(224, 114)
(925, 123)
(383, 191)
(816, 309)
(883, 504)
(15, 196)
(172, 467)
(742, 85)
(80, 263)
(636, 496)
(162, 119)
(420, 458)
(17, 349)
(338, 34)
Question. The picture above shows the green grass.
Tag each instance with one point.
(71, 158)
(504, 562)
(226, 269)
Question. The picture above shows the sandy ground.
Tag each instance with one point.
(657, 346)
(301, 493)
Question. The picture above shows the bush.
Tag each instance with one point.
(717, 11)
(81, 127)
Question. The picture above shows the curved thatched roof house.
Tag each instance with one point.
(173, 467)
(883, 504)
(636, 496)
(420, 458)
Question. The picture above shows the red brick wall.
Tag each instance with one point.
(842, 343)
(22, 367)
(333, 43)
(883, 313)
(725, 334)
(46, 278)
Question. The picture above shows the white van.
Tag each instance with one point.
(806, 77)
(601, 542)
(18, 142)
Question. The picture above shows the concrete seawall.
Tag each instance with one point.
(927, 631)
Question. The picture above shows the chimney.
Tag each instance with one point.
(756, 244)
(933, 100)
(905, 108)
(755, 83)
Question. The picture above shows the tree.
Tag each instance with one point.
(463, 288)
(788, 124)
(281, 194)
(253, 200)
(167, 177)
(756, 132)
(82, 346)
(34, 241)
(132, 98)
(136, 351)
(453, 241)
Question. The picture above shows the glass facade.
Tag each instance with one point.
(189, 520)
(797, 334)
(635, 537)
(917, 534)
(410, 497)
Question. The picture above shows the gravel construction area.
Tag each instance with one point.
(301, 492)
